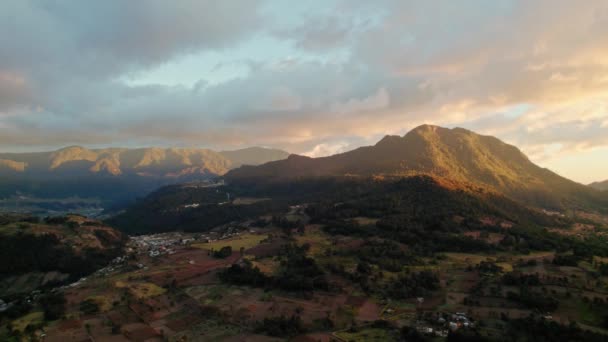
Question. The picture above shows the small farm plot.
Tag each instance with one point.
(244, 241)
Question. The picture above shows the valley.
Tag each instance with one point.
(170, 286)
(338, 270)
(75, 179)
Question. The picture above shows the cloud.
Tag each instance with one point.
(376, 101)
(322, 150)
(14, 90)
(320, 34)
(339, 72)
(108, 37)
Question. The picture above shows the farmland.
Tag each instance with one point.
(244, 241)
(289, 278)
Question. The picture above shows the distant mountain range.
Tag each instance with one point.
(145, 162)
(600, 185)
(456, 154)
(116, 174)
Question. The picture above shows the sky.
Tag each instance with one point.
(311, 77)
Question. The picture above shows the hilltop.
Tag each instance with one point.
(600, 185)
(457, 154)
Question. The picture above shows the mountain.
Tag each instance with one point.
(253, 156)
(457, 154)
(603, 186)
(150, 162)
(117, 173)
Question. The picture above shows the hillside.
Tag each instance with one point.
(55, 249)
(457, 154)
(189, 208)
(253, 156)
(116, 174)
(145, 162)
(603, 186)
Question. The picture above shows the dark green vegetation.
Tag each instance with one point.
(223, 252)
(166, 210)
(281, 326)
(419, 208)
(69, 245)
(534, 329)
(298, 273)
(418, 284)
(54, 305)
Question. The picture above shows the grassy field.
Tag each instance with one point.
(141, 290)
(506, 266)
(211, 294)
(32, 318)
(318, 241)
(103, 302)
(245, 241)
(471, 259)
(505, 261)
(268, 266)
(248, 200)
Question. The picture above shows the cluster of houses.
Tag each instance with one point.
(166, 243)
(75, 284)
(445, 323)
(457, 321)
(159, 244)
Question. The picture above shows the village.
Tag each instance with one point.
(166, 243)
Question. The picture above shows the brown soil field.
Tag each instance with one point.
(264, 250)
(368, 312)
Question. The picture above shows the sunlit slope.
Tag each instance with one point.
(457, 154)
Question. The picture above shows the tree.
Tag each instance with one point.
(53, 305)
(89, 306)
(223, 253)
